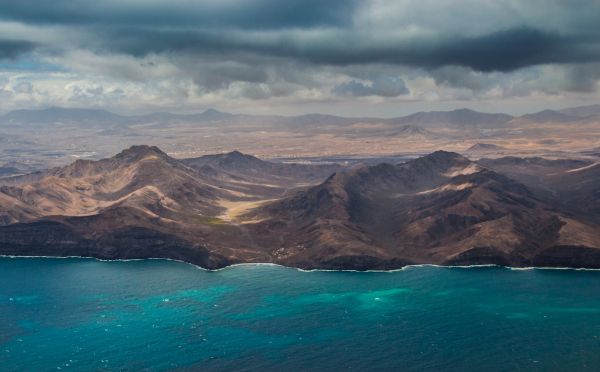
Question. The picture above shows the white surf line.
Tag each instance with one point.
(413, 266)
(583, 168)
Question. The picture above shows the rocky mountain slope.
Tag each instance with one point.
(574, 184)
(223, 209)
(441, 209)
(252, 168)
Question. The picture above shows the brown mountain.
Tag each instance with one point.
(248, 167)
(219, 210)
(441, 209)
(141, 177)
(574, 184)
(143, 203)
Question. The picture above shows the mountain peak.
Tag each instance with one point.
(212, 111)
(236, 153)
(236, 159)
(439, 161)
(465, 110)
(214, 114)
(139, 151)
(442, 155)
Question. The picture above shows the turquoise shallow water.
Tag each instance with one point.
(78, 314)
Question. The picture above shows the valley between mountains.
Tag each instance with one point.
(218, 210)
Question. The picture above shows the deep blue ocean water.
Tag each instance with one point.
(80, 314)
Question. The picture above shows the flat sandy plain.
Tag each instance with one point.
(36, 146)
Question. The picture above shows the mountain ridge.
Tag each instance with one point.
(52, 113)
(230, 208)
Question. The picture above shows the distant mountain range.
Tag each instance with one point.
(462, 118)
(582, 111)
(223, 209)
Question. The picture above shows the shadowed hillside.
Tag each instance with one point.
(222, 209)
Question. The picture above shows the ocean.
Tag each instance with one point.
(156, 315)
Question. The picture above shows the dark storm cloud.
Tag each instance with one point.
(244, 14)
(10, 49)
(498, 51)
(512, 49)
(275, 28)
(505, 50)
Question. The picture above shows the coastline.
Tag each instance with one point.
(407, 267)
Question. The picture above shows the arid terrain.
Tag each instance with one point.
(221, 209)
(38, 139)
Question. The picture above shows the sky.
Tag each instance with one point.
(345, 57)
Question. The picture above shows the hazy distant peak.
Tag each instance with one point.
(549, 116)
(212, 111)
(214, 114)
(460, 117)
(582, 111)
(59, 114)
(465, 110)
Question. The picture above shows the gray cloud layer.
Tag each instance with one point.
(10, 49)
(385, 86)
(281, 29)
(247, 14)
(270, 48)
